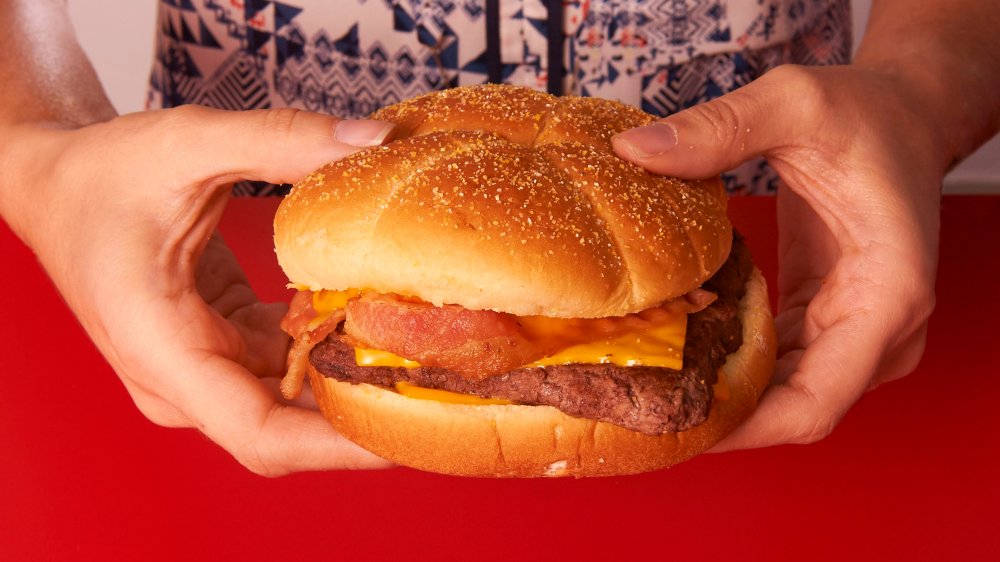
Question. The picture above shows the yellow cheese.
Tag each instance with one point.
(328, 301)
(411, 391)
(661, 346)
(377, 358)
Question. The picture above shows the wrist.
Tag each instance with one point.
(27, 154)
(928, 119)
(940, 59)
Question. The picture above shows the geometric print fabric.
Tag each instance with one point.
(350, 57)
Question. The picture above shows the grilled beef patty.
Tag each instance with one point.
(650, 400)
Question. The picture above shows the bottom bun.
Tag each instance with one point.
(531, 441)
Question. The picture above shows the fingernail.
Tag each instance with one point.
(362, 132)
(649, 140)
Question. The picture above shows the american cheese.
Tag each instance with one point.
(326, 303)
(411, 391)
(660, 346)
(377, 358)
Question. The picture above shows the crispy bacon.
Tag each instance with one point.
(300, 314)
(307, 329)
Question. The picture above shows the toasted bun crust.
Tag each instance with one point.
(530, 441)
(503, 198)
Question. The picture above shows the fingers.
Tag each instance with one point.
(902, 360)
(154, 408)
(305, 400)
(186, 366)
(268, 436)
(222, 284)
(177, 371)
(240, 414)
(274, 145)
(178, 384)
(825, 381)
(718, 135)
(836, 346)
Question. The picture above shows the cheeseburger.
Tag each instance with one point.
(495, 293)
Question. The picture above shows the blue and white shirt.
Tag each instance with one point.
(350, 57)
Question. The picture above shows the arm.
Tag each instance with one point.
(48, 78)
(48, 82)
(121, 212)
(944, 53)
(861, 150)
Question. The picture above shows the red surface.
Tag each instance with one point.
(910, 474)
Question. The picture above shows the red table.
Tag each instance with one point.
(911, 473)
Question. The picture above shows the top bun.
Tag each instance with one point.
(504, 198)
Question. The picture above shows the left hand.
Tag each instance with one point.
(858, 229)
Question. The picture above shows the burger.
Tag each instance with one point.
(495, 293)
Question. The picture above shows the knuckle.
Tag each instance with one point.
(259, 456)
(177, 125)
(818, 424)
(808, 89)
(188, 113)
(721, 118)
(257, 462)
(163, 416)
(913, 310)
(153, 406)
(180, 134)
(903, 360)
(926, 306)
(816, 429)
(277, 125)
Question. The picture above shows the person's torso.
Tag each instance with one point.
(350, 57)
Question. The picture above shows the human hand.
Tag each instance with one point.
(861, 170)
(122, 215)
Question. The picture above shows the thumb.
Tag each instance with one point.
(715, 136)
(273, 145)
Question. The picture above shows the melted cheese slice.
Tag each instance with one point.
(377, 358)
(411, 391)
(660, 346)
(326, 303)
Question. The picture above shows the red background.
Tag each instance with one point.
(911, 473)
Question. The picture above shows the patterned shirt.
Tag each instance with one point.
(350, 57)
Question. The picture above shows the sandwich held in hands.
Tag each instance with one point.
(495, 293)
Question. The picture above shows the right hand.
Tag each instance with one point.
(122, 215)
(858, 207)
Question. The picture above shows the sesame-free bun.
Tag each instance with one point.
(529, 441)
(503, 198)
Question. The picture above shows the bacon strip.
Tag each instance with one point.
(303, 324)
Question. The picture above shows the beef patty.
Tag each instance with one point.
(650, 400)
